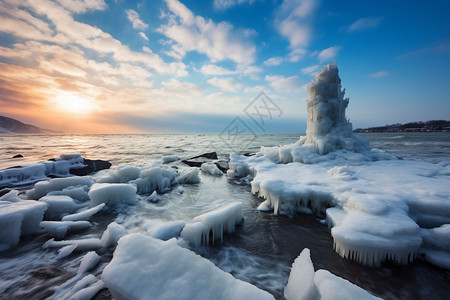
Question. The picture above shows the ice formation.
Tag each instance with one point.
(305, 284)
(85, 214)
(59, 205)
(29, 174)
(374, 202)
(18, 218)
(42, 188)
(212, 225)
(164, 270)
(112, 194)
(59, 229)
(211, 168)
(169, 158)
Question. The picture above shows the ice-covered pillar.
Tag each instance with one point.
(327, 126)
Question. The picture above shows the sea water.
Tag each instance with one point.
(262, 249)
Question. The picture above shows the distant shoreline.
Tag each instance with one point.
(428, 126)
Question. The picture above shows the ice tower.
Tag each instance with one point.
(327, 127)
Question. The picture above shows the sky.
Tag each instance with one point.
(94, 66)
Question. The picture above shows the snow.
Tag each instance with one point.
(59, 205)
(112, 194)
(211, 168)
(146, 268)
(301, 284)
(84, 215)
(213, 224)
(169, 158)
(305, 284)
(374, 202)
(42, 188)
(19, 218)
(59, 229)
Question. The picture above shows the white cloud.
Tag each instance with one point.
(364, 23)
(329, 53)
(225, 4)
(379, 74)
(215, 70)
(293, 20)
(81, 6)
(273, 61)
(310, 69)
(143, 35)
(227, 84)
(219, 41)
(256, 89)
(134, 18)
(291, 84)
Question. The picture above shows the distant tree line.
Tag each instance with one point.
(428, 126)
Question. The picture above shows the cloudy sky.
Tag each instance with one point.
(94, 66)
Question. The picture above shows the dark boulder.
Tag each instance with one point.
(18, 156)
(91, 167)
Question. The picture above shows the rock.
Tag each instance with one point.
(18, 156)
(209, 155)
(91, 166)
(198, 160)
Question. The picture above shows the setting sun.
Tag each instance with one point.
(73, 103)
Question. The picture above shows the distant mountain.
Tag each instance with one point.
(9, 125)
(429, 126)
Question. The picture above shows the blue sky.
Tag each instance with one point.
(99, 66)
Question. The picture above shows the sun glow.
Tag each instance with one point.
(73, 103)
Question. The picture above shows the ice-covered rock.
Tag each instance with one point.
(59, 229)
(22, 175)
(210, 168)
(374, 202)
(59, 205)
(212, 225)
(164, 270)
(42, 188)
(112, 194)
(17, 219)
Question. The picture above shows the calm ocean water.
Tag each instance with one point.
(262, 249)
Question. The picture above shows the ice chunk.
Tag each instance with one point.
(164, 230)
(58, 206)
(213, 224)
(11, 196)
(159, 179)
(79, 193)
(59, 229)
(112, 194)
(169, 158)
(210, 168)
(437, 257)
(238, 167)
(18, 219)
(84, 215)
(301, 284)
(121, 174)
(189, 176)
(331, 286)
(57, 184)
(109, 238)
(164, 270)
(370, 239)
(437, 237)
(88, 292)
(89, 261)
(66, 251)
